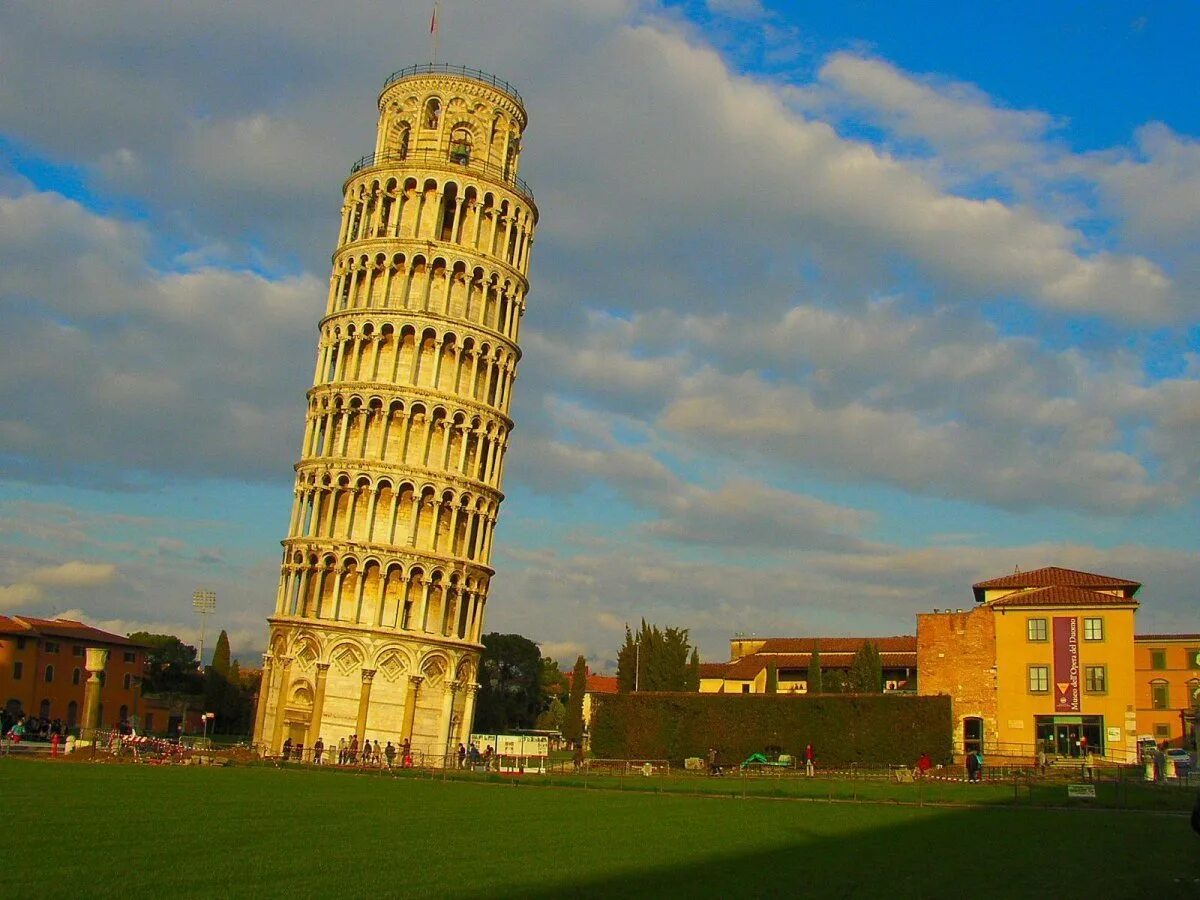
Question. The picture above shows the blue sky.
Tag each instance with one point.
(836, 308)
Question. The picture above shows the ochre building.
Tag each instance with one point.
(751, 657)
(1044, 660)
(387, 561)
(43, 670)
(1168, 687)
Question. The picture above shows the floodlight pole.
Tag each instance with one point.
(204, 602)
(637, 663)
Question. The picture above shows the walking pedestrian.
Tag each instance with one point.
(389, 753)
(287, 748)
(318, 750)
(810, 758)
(407, 757)
(462, 756)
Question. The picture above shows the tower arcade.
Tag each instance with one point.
(386, 564)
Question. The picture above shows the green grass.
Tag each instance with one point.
(107, 830)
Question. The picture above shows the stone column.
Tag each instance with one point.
(284, 664)
(444, 723)
(95, 662)
(410, 706)
(468, 718)
(264, 691)
(364, 703)
(314, 724)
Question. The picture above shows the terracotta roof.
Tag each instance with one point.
(748, 667)
(61, 628)
(1061, 596)
(1156, 638)
(713, 670)
(1053, 576)
(896, 643)
(602, 684)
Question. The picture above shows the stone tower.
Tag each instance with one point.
(386, 563)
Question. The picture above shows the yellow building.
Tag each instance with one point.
(1046, 659)
(1168, 687)
(387, 560)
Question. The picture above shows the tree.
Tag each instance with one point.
(170, 664)
(657, 660)
(815, 679)
(693, 673)
(217, 687)
(627, 658)
(866, 672)
(772, 679)
(573, 727)
(510, 687)
(553, 717)
(554, 681)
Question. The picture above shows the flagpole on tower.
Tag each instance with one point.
(433, 31)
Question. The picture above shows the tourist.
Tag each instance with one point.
(389, 753)
(712, 761)
(473, 754)
(407, 757)
(318, 750)
(287, 748)
(924, 764)
(810, 758)
(578, 758)
(1041, 759)
(462, 756)
(352, 750)
(54, 744)
(979, 765)
(487, 758)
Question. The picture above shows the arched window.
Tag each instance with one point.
(49, 679)
(127, 681)
(1193, 689)
(972, 734)
(44, 710)
(75, 676)
(123, 713)
(402, 143)
(433, 112)
(72, 712)
(460, 145)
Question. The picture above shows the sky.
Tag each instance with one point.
(836, 308)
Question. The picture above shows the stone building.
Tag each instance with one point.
(386, 564)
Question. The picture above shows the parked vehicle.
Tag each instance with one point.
(1179, 763)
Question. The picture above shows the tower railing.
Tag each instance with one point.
(442, 159)
(447, 69)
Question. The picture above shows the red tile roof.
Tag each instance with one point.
(748, 667)
(713, 670)
(1053, 576)
(1061, 596)
(1157, 638)
(61, 628)
(896, 643)
(602, 684)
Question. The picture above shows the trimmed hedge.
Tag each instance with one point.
(867, 729)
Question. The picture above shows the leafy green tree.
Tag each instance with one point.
(693, 673)
(656, 660)
(815, 679)
(573, 727)
(866, 672)
(553, 717)
(217, 687)
(554, 680)
(510, 686)
(772, 679)
(171, 665)
(627, 660)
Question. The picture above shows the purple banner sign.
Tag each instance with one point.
(1066, 664)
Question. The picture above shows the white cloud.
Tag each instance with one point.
(74, 574)
(15, 596)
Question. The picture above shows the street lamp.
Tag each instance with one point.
(206, 718)
(637, 661)
(203, 602)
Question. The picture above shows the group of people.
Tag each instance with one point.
(17, 727)
(350, 752)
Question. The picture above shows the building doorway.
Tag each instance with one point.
(972, 735)
(1070, 736)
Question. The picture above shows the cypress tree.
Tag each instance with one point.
(772, 679)
(573, 727)
(814, 672)
(216, 681)
(693, 675)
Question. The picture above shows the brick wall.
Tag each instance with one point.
(956, 656)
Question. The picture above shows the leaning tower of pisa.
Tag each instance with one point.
(386, 564)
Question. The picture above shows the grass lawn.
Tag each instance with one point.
(116, 830)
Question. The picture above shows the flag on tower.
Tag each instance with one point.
(433, 20)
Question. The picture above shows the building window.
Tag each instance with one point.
(51, 647)
(1093, 629)
(72, 713)
(1039, 679)
(20, 643)
(1095, 679)
(1162, 731)
(1160, 695)
(49, 675)
(1036, 629)
(460, 145)
(75, 677)
(18, 668)
(77, 650)
(745, 688)
(1193, 689)
(1193, 658)
(127, 681)
(44, 710)
(128, 657)
(123, 714)
(1158, 659)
